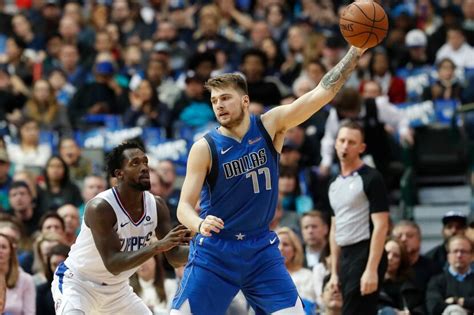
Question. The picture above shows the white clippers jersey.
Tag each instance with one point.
(84, 258)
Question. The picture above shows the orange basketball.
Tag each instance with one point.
(364, 24)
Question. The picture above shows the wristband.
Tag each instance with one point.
(199, 227)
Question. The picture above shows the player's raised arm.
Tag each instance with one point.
(178, 255)
(284, 117)
(100, 218)
(198, 166)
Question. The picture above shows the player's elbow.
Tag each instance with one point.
(112, 268)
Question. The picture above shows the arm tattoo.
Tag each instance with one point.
(337, 76)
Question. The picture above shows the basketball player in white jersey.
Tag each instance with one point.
(115, 239)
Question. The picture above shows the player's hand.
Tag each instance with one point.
(368, 282)
(180, 235)
(360, 50)
(211, 224)
(334, 282)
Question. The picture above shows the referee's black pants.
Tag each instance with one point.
(353, 261)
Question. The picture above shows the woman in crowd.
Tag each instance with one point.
(44, 297)
(292, 250)
(59, 189)
(149, 283)
(398, 295)
(43, 108)
(29, 152)
(21, 294)
(446, 86)
(42, 248)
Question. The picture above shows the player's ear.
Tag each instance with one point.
(118, 173)
(246, 100)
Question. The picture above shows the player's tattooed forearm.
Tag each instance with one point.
(337, 76)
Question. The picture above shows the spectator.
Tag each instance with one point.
(70, 215)
(284, 218)
(44, 297)
(42, 248)
(398, 294)
(381, 72)
(292, 250)
(21, 294)
(409, 234)
(63, 90)
(59, 189)
(19, 65)
(79, 166)
(166, 171)
(150, 284)
(192, 108)
(470, 232)
(457, 49)
(452, 292)
(332, 300)
(68, 62)
(289, 191)
(446, 85)
(254, 66)
(23, 29)
(30, 152)
(468, 23)
(454, 223)
(51, 222)
(13, 228)
(144, 108)
(12, 96)
(93, 184)
(98, 97)
(22, 206)
(315, 230)
(37, 192)
(5, 179)
(43, 108)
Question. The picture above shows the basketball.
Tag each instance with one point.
(364, 24)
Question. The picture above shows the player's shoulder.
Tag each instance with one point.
(98, 207)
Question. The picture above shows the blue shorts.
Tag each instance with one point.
(221, 265)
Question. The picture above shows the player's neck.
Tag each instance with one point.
(130, 197)
(347, 167)
(236, 132)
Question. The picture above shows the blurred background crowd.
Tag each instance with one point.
(77, 76)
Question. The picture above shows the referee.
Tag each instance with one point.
(359, 225)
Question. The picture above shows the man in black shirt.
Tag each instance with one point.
(359, 225)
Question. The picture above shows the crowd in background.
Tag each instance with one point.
(64, 63)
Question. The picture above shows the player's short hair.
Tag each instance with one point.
(115, 158)
(232, 80)
(351, 124)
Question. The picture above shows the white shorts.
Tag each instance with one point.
(72, 293)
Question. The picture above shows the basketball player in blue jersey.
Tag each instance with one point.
(115, 239)
(234, 170)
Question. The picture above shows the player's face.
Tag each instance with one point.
(135, 170)
(229, 106)
(349, 144)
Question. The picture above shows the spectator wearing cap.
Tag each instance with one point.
(98, 97)
(452, 292)
(454, 223)
(179, 51)
(192, 108)
(416, 42)
(5, 179)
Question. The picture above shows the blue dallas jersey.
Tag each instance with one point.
(242, 186)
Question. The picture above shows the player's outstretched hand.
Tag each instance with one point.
(211, 224)
(180, 235)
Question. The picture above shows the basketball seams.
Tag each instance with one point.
(357, 22)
